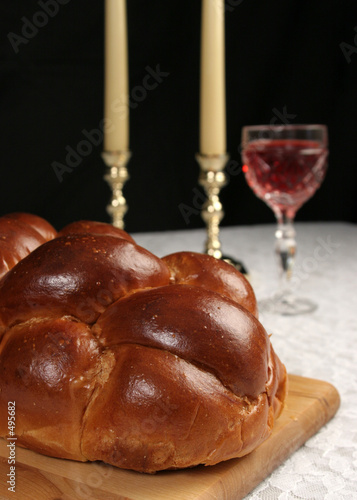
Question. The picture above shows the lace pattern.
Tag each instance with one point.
(321, 345)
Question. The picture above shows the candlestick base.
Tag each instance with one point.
(235, 263)
(116, 176)
(212, 178)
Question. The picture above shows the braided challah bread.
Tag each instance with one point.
(111, 353)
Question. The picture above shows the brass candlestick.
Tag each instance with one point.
(213, 178)
(116, 176)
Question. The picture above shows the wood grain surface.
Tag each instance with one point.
(311, 403)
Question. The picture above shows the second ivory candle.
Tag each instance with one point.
(213, 81)
(116, 110)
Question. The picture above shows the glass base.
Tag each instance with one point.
(286, 305)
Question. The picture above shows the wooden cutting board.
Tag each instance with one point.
(310, 404)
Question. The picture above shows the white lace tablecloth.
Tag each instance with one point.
(321, 345)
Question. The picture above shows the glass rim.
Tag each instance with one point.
(253, 133)
(299, 126)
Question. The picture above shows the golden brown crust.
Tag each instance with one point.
(148, 364)
(20, 234)
(77, 275)
(277, 385)
(42, 226)
(191, 268)
(93, 227)
(48, 368)
(201, 326)
(170, 413)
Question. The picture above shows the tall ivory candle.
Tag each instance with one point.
(212, 91)
(116, 110)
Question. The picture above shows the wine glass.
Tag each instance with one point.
(284, 165)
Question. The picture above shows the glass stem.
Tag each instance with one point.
(285, 249)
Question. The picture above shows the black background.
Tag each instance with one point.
(286, 60)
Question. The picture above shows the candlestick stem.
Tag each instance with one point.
(116, 176)
(212, 178)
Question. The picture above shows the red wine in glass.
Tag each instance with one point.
(284, 172)
(284, 166)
